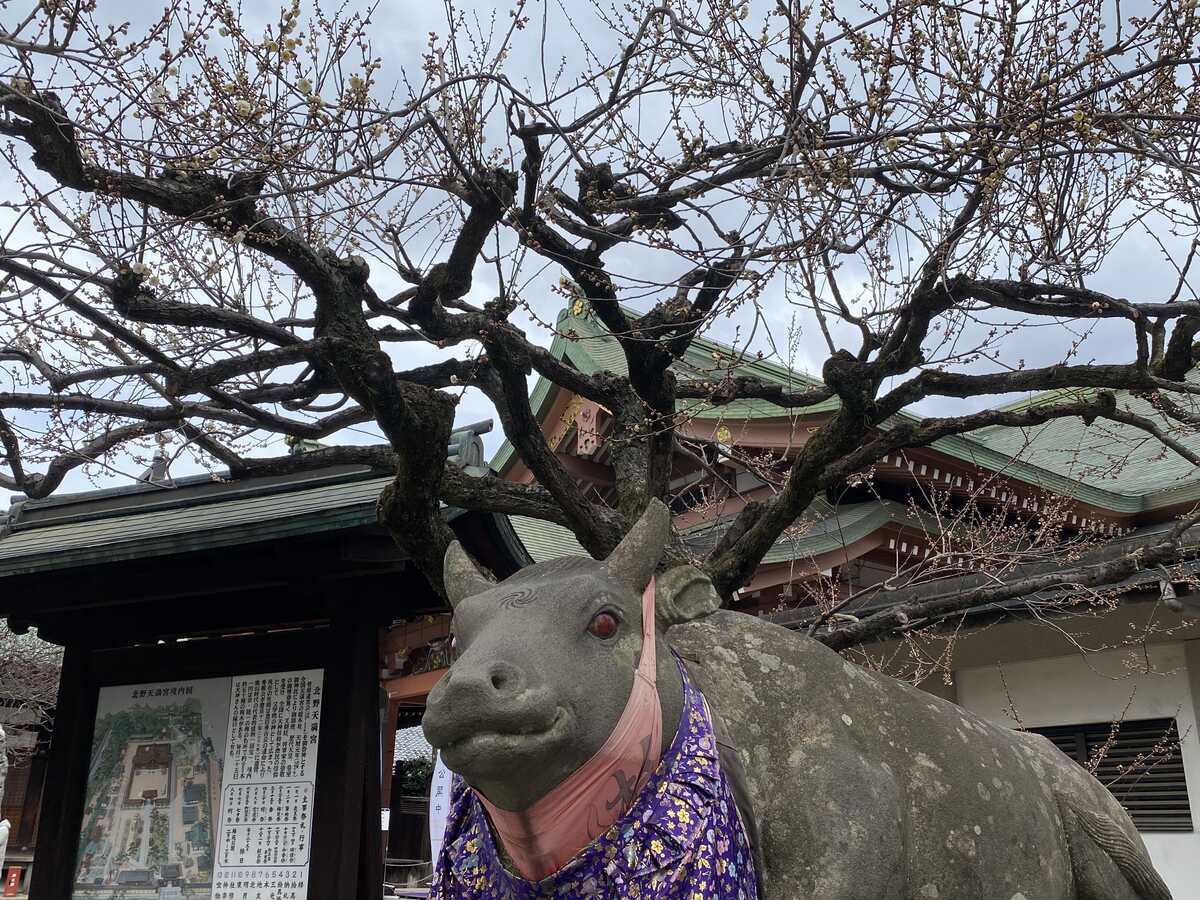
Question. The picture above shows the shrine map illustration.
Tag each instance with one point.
(201, 789)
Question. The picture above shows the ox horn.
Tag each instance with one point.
(638, 554)
(461, 576)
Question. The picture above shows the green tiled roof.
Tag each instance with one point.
(835, 528)
(168, 516)
(822, 529)
(221, 522)
(704, 359)
(546, 540)
(1109, 457)
(589, 347)
(1107, 464)
(841, 527)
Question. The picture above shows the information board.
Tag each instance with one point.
(202, 789)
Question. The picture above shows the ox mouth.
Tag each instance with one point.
(491, 744)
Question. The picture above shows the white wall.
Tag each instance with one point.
(1071, 690)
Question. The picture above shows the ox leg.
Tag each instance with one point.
(1106, 863)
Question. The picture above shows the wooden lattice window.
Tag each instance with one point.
(1139, 762)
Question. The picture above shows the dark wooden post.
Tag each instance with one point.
(62, 800)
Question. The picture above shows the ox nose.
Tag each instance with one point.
(501, 680)
(492, 695)
(488, 684)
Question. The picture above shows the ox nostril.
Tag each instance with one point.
(504, 679)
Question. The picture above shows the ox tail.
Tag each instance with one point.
(1129, 856)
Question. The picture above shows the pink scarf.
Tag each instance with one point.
(542, 839)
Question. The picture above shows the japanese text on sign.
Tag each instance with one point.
(267, 793)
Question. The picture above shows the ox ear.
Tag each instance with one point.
(683, 594)
(638, 554)
(460, 575)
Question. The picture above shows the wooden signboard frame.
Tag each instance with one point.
(345, 858)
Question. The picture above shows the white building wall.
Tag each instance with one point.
(1072, 690)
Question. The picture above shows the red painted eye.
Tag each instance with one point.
(603, 625)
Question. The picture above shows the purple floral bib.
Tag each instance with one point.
(682, 838)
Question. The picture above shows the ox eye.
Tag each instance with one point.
(603, 625)
(454, 647)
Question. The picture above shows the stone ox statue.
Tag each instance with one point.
(853, 785)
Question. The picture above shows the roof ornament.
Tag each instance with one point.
(465, 449)
(158, 472)
(298, 446)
